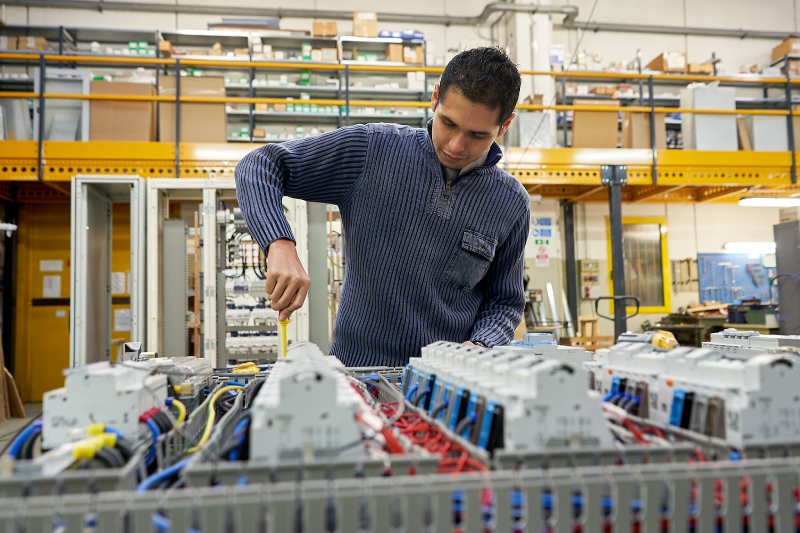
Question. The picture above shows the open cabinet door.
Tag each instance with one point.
(90, 305)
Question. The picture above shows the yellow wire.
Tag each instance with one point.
(211, 416)
(334, 262)
(181, 410)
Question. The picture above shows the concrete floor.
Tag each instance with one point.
(10, 427)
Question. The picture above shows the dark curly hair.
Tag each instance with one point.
(484, 75)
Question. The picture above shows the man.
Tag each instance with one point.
(435, 230)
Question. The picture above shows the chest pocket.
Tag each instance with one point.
(471, 260)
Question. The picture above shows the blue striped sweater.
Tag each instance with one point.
(424, 263)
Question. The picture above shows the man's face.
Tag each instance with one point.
(462, 130)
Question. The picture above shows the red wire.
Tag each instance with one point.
(636, 433)
(651, 429)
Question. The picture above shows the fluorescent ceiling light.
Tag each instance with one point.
(750, 247)
(770, 202)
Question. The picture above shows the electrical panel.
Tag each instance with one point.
(108, 393)
(513, 398)
(589, 279)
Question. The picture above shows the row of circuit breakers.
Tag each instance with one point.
(740, 387)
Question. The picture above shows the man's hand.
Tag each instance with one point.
(287, 281)
(468, 343)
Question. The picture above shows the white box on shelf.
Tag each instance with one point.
(768, 133)
(709, 132)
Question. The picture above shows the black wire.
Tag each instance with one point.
(465, 422)
(117, 455)
(26, 451)
(106, 458)
(124, 447)
(420, 396)
(163, 426)
(256, 388)
(165, 417)
(439, 408)
(18, 433)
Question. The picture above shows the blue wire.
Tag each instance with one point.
(158, 477)
(34, 428)
(154, 428)
(116, 432)
(411, 391)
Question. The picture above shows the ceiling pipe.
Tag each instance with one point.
(569, 22)
(570, 12)
(573, 24)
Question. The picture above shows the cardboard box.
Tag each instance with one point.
(325, 28)
(199, 122)
(603, 89)
(709, 132)
(394, 53)
(259, 133)
(8, 43)
(165, 49)
(261, 107)
(595, 129)
(365, 24)
(536, 99)
(316, 55)
(788, 47)
(636, 130)
(697, 68)
(669, 62)
(280, 108)
(122, 120)
(32, 43)
(330, 54)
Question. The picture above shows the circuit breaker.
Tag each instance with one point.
(590, 279)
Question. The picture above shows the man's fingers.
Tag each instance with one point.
(271, 282)
(294, 285)
(278, 291)
(298, 300)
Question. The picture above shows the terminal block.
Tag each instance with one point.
(306, 408)
(106, 393)
(745, 344)
(512, 398)
(742, 401)
(188, 378)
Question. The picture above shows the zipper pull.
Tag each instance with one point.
(447, 187)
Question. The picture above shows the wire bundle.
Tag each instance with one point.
(430, 437)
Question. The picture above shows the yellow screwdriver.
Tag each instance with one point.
(283, 324)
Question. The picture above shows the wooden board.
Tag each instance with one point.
(744, 138)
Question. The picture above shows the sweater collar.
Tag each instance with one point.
(493, 156)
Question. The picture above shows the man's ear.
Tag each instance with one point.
(506, 124)
(435, 97)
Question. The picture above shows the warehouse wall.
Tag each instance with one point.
(773, 15)
(691, 229)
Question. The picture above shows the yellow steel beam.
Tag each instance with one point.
(148, 61)
(588, 193)
(710, 194)
(647, 193)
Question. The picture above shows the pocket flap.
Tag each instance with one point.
(479, 244)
